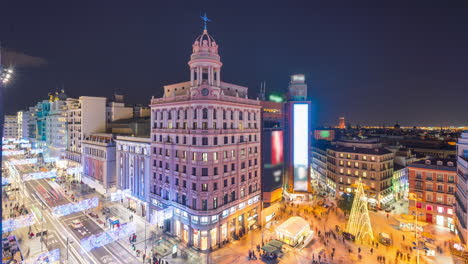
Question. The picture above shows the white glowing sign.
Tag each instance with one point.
(71, 208)
(36, 151)
(24, 145)
(24, 161)
(298, 77)
(8, 146)
(119, 195)
(15, 223)
(52, 256)
(300, 145)
(75, 170)
(40, 175)
(12, 152)
(102, 239)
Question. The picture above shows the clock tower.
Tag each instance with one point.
(205, 67)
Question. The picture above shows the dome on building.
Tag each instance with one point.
(205, 43)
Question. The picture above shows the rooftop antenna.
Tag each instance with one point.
(262, 92)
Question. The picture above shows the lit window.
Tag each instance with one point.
(233, 153)
(364, 158)
(205, 156)
(194, 156)
(341, 171)
(440, 209)
(215, 156)
(450, 211)
(356, 173)
(428, 207)
(364, 174)
(372, 158)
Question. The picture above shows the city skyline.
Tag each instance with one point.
(392, 65)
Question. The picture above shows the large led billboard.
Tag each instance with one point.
(300, 145)
(276, 147)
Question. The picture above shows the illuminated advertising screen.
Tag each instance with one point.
(276, 147)
(300, 146)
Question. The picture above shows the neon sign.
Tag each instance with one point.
(15, 223)
(71, 208)
(46, 257)
(102, 239)
(12, 152)
(40, 175)
(24, 161)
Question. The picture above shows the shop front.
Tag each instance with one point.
(136, 205)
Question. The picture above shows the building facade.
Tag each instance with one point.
(206, 156)
(133, 161)
(56, 127)
(347, 161)
(319, 168)
(297, 123)
(22, 120)
(433, 181)
(85, 116)
(98, 158)
(10, 127)
(461, 193)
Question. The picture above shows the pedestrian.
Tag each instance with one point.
(144, 256)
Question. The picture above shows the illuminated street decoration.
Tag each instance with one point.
(119, 195)
(40, 175)
(8, 146)
(15, 223)
(24, 145)
(75, 170)
(102, 239)
(359, 222)
(12, 152)
(71, 208)
(52, 256)
(36, 151)
(24, 161)
(50, 159)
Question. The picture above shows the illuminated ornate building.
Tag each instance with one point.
(206, 154)
(434, 183)
(341, 123)
(461, 193)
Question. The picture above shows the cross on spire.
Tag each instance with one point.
(205, 20)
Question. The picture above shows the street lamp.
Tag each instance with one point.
(413, 196)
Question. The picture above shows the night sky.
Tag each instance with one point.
(370, 62)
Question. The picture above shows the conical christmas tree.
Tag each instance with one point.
(359, 222)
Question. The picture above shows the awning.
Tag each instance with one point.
(293, 226)
(270, 249)
(276, 243)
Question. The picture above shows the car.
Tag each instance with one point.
(388, 210)
(76, 224)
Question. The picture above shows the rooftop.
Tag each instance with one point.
(370, 151)
(436, 164)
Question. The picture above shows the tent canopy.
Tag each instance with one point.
(293, 226)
